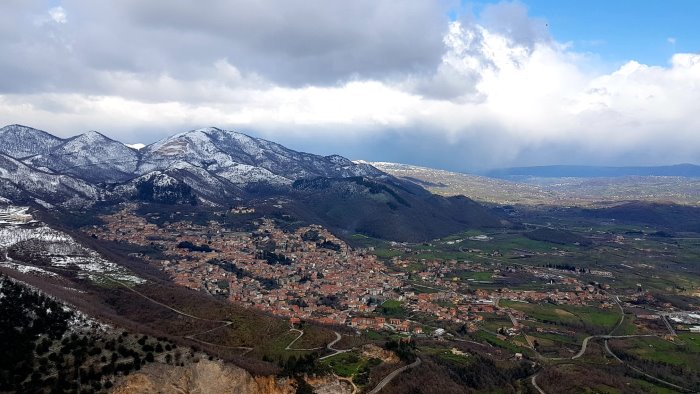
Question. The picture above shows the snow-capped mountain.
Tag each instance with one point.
(215, 167)
(243, 159)
(22, 141)
(90, 156)
(20, 182)
(209, 158)
(215, 164)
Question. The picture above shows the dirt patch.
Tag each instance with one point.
(374, 351)
(202, 377)
(561, 312)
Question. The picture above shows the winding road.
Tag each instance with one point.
(584, 345)
(534, 384)
(225, 323)
(607, 348)
(301, 334)
(338, 337)
(606, 337)
(394, 374)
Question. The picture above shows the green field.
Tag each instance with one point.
(476, 275)
(685, 353)
(568, 315)
(484, 336)
(345, 364)
(392, 308)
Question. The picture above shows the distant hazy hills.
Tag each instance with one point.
(545, 188)
(477, 187)
(562, 171)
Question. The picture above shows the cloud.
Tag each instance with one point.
(511, 20)
(58, 15)
(292, 43)
(368, 79)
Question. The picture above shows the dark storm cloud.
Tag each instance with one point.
(383, 80)
(289, 43)
(302, 41)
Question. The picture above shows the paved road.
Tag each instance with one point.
(606, 337)
(683, 389)
(534, 384)
(622, 313)
(668, 325)
(179, 312)
(330, 347)
(301, 334)
(512, 319)
(394, 374)
(609, 336)
(225, 323)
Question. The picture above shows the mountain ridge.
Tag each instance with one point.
(215, 167)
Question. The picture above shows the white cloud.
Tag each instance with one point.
(503, 92)
(58, 15)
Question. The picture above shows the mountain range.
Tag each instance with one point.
(215, 167)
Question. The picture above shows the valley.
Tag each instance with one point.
(338, 278)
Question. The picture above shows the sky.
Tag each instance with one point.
(459, 85)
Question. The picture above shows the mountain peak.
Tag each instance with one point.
(210, 130)
(91, 136)
(18, 129)
(90, 156)
(20, 141)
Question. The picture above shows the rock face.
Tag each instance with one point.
(330, 385)
(374, 351)
(202, 377)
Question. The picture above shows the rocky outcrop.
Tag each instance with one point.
(202, 377)
(330, 384)
(374, 351)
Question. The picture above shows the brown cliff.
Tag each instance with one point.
(202, 377)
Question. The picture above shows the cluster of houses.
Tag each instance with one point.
(381, 323)
(311, 275)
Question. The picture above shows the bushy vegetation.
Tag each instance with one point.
(406, 350)
(43, 351)
(393, 308)
(194, 248)
(273, 258)
(179, 193)
(328, 245)
(28, 322)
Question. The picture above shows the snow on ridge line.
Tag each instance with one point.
(62, 251)
(26, 269)
(137, 146)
